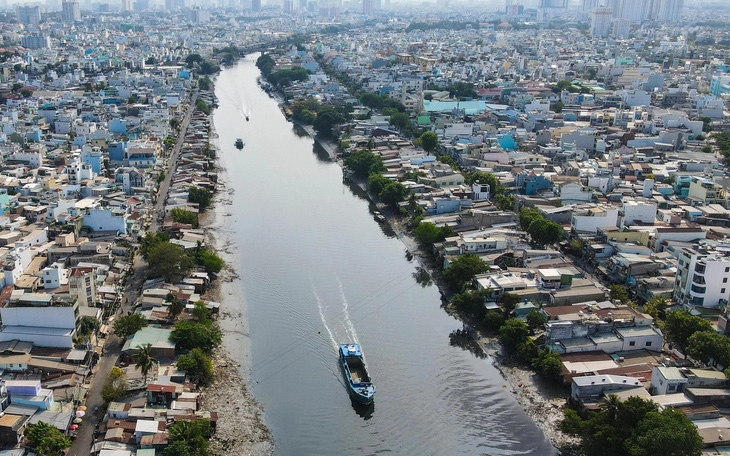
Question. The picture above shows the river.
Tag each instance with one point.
(317, 270)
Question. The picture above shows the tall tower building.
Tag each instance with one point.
(621, 28)
(601, 21)
(29, 15)
(70, 11)
(126, 5)
(256, 5)
(367, 7)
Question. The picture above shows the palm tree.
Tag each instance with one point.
(145, 361)
(611, 405)
(175, 308)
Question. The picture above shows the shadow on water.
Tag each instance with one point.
(363, 411)
(461, 338)
(422, 277)
(299, 131)
(321, 154)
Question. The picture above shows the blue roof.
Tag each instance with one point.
(350, 350)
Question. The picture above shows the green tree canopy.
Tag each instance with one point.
(114, 386)
(169, 261)
(709, 347)
(400, 120)
(183, 216)
(429, 141)
(471, 303)
(190, 334)
(196, 365)
(127, 325)
(428, 233)
(189, 437)
(46, 440)
(512, 333)
(680, 326)
(618, 292)
(376, 183)
(209, 260)
(634, 427)
(393, 193)
(201, 196)
(462, 269)
(528, 215)
(364, 163)
(535, 320)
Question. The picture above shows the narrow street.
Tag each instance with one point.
(113, 344)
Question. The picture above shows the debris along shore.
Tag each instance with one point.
(240, 429)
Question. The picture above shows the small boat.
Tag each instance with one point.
(239, 143)
(356, 374)
(246, 117)
(379, 217)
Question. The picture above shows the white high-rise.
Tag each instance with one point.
(621, 28)
(70, 11)
(601, 21)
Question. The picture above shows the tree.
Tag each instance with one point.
(192, 59)
(527, 216)
(175, 308)
(197, 365)
(462, 269)
(190, 435)
(87, 326)
(633, 427)
(428, 140)
(325, 121)
(493, 320)
(512, 333)
(535, 320)
(618, 292)
(115, 385)
(174, 123)
(179, 449)
(400, 120)
(376, 182)
(393, 193)
(545, 232)
(183, 216)
(508, 301)
(201, 312)
(709, 347)
(548, 364)
(680, 326)
(199, 195)
(151, 240)
(46, 440)
(191, 334)
(210, 261)
(428, 233)
(364, 163)
(127, 325)
(471, 303)
(202, 106)
(169, 261)
(657, 307)
(145, 361)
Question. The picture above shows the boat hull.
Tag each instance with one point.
(357, 379)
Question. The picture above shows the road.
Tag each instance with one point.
(113, 344)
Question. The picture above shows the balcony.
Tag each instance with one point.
(699, 280)
(700, 268)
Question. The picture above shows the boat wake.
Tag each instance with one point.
(349, 326)
(320, 307)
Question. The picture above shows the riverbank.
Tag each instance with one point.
(240, 428)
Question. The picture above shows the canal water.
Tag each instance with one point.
(317, 270)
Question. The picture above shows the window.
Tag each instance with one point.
(648, 344)
(632, 343)
(724, 280)
(727, 269)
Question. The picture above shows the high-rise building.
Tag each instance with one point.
(288, 6)
(720, 85)
(667, 10)
(126, 5)
(703, 276)
(141, 5)
(70, 11)
(255, 5)
(621, 28)
(601, 21)
(35, 41)
(29, 15)
(367, 7)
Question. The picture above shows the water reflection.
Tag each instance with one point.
(461, 338)
(422, 277)
(363, 411)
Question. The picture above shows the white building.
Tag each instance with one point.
(598, 216)
(601, 21)
(35, 318)
(703, 276)
(638, 211)
(621, 28)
